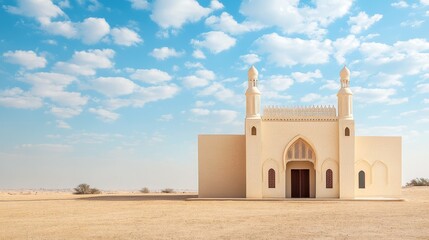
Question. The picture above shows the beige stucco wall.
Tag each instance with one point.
(380, 159)
(221, 166)
(322, 136)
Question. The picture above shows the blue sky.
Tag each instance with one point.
(114, 93)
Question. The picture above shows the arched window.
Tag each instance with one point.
(329, 179)
(253, 130)
(300, 149)
(347, 131)
(271, 178)
(361, 179)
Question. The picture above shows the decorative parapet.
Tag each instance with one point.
(300, 113)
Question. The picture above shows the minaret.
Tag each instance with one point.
(346, 140)
(253, 131)
(253, 96)
(345, 101)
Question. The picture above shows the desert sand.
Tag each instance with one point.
(59, 215)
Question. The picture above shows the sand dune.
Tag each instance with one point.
(61, 215)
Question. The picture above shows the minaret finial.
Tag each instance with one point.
(252, 73)
(345, 73)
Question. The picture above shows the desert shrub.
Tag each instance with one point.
(95, 191)
(145, 190)
(167, 190)
(85, 189)
(418, 182)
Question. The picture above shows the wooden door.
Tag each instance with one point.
(295, 183)
(305, 183)
(300, 183)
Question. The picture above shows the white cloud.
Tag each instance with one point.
(201, 78)
(139, 4)
(113, 86)
(214, 41)
(426, 100)
(403, 57)
(250, 59)
(65, 112)
(104, 115)
(295, 16)
(306, 77)
(165, 52)
(165, 118)
(194, 65)
(92, 30)
(199, 104)
(152, 76)
(53, 86)
(200, 111)
(222, 116)
(62, 28)
(425, 2)
(284, 51)
(400, 4)
(311, 97)
(144, 95)
(362, 22)
(331, 85)
(17, 98)
(226, 23)
(221, 93)
(64, 4)
(36, 9)
(46, 148)
(412, 23)
(423, 88)
(86, 62)
(387, 80)
(216, 5)
(344, 46)
(51, 42)
(153, 94)
(91, 5)
(277, 83)
(273, 86)
(377, 95)
(174, 14)
(198, 54)
(62, 124)
(72, 99)
(27, 59)
(125, 37)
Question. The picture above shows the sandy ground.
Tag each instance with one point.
(51, 215)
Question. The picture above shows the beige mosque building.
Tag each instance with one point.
(299, 152)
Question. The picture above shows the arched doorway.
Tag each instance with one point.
(300, 170)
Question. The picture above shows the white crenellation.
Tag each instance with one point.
(300, 113)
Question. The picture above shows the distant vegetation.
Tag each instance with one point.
(418, 182)
(145, 190)
(85, 189)
(167, 190)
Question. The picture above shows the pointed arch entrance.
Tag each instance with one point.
(300, 162)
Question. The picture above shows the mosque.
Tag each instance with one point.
(299, 152)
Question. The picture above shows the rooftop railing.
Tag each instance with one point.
(300, 113)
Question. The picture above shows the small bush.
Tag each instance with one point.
(85, 189)
(167, 190)
(145, 190)
(418, 182)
